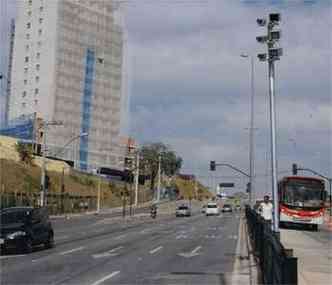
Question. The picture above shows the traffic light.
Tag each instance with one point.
(248, 188)
(294, 169)
(128, 163)
(47, 182)
(212, 165)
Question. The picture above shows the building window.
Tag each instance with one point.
(38, 55)
(27, 47)
(37, 79)
(25, 70)
(28, 25)
(24, 93)
(40, 32)
(41, 8)
(24, 104)
(27, 36)
(25, 81)
(36, 91)
(40, 20)
(36, 102)
(38, 66)
(26, 59)
(30, 2)
(29, 13)
(39, 44)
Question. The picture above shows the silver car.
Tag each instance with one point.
(183, 211)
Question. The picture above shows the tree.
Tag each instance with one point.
(25, 152)
(170, 162)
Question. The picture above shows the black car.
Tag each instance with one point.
(23, 227)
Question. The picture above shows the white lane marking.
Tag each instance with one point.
(190, 254)
(109, 253)
(106, 278)
(155, 250)
(61, 237)
(72, 250)
(11, 256)
(115, 249)
(196, 249)
(181, 236)
(119, 237)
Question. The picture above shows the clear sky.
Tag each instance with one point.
(190, 88)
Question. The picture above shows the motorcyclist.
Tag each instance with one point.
(153, 210)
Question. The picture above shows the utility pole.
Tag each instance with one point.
(99, 192)
(136, 178)
(251, 130)
(159, 177)
(43, 190)
(273, 54)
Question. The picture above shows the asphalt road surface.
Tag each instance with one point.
(103, 250)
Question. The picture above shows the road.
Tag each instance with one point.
(103, 250)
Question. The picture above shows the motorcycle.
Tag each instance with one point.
(153, 213)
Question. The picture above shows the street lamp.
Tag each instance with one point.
(273, 54)
(251, 130)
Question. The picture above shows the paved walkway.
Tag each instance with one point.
(314, 253)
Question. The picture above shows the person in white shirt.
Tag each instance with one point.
(266, 209)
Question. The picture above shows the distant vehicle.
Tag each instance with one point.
(227, 208)
(238, 208)
(183, 211)
(212, 209)
(203, 209)
(301, 201)
(22, 228)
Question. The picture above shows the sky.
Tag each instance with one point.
(190, 88)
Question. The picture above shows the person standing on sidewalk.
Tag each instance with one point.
(266, 209)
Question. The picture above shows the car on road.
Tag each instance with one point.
(212, 209)
(183, 211)
(227, 208)
(21, 228)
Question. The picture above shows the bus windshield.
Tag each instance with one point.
(303, 194)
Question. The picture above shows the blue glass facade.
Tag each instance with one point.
(86, 107)
(21, 128)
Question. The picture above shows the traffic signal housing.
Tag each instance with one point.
(212, 165)
(294, 169)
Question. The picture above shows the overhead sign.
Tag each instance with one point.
(229, 185)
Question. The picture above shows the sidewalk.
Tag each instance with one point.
(314, 253)
(245, 269)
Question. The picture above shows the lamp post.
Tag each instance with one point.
(159, 177)
(251, 130)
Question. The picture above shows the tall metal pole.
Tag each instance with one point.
(99, 190)
(43, 170)
(136, 179)
(159, 178)
(273, 144)
(252, 155)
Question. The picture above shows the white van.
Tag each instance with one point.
(212, 209)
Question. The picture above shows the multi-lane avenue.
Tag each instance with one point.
(103, 250)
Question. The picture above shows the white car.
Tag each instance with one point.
(212, 209)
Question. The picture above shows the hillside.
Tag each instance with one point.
(187, 189)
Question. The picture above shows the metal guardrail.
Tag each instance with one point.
(277, 264)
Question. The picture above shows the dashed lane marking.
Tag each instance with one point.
(100, 281)
(155, 250)
(119, 237)
(72, 250)
(11, 256)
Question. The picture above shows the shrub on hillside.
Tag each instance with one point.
(25, 152)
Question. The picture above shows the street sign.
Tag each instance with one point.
(229, 185)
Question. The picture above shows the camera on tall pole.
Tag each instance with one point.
(273, 53)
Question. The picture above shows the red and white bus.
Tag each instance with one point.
(301, 200)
